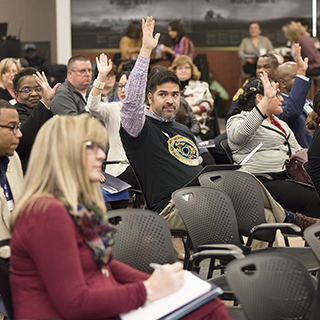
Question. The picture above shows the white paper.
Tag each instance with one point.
(192, 288)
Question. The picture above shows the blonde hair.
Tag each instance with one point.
(5, 64)
(57, 164)
(180, 61)
(292, 30)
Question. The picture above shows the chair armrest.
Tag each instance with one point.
(273, 226)
(226, 255)
(231, 247)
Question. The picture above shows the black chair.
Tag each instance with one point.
(142, 237)
(275, 287)
(224, 145)
(245, 193)
(210, 219)
(5, 290)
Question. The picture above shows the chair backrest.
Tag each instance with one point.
(306, 168)
(5, 289)
(312, 236)
(246, 196)
(224, 145)
(276, 287)
(142, 237)
(208, 215)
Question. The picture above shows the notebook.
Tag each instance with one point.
(194, 293)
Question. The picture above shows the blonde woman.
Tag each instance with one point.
(196, 92)
(8, 69)
(61, 261)
(293, 33)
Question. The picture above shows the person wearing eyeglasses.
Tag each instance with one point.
(34, 96)
(109, 113)
(11, 177)
(256, 124)
(71, 97)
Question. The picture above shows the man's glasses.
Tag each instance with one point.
(14, 129)
(29, 90)
(94, 146)
(82, 71)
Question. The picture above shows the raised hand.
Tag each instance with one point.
(104, 66)
(302, 64)
(270, 91)
(149, 42)
(47, 92)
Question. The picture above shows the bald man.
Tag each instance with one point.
(294, 86)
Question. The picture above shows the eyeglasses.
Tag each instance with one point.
(94, 146)
(11, 72)
(183, 67)
(14, 129)
(121, 86)
(109, 76)
(29, 90)
(82, 71)
(278, 94)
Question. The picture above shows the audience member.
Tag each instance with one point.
(268, 63)
(65, 269)
(182, 45)
(196, 92)
(109, 113)
(110, 89)
(131, 43)
(257, 124)
(304, 24)
(185, 115)
(162, 152)
(34, 60)
(34, 96)
(71, 97)
(252, 47)
(293, 32)
(294, 87)
(8, 68)
(11, 177)
(312, 124)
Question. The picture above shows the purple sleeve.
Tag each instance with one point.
(132, 112)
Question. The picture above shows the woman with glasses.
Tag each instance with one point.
(110, 91)
(61, 261)
(109, 113)
(195, 92)
(8, 68)
(34, 96)
(255, 125)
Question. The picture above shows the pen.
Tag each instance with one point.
(155, 265)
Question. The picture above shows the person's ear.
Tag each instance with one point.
(259, 97)
(150, 98)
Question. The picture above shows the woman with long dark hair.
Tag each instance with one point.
(182, 45)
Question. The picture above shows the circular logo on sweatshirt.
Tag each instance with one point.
(184, 150)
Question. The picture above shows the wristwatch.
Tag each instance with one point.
(97, 84)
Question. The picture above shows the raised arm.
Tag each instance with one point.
(133, 109)
(293, 105)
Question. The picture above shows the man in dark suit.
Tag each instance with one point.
(294, 86)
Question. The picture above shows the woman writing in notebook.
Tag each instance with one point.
(61, 262)
(257, 124)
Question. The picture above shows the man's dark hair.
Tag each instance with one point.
(22, 73)
(4, 104)
(160, 78)
(274, 60)
(304, 22)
